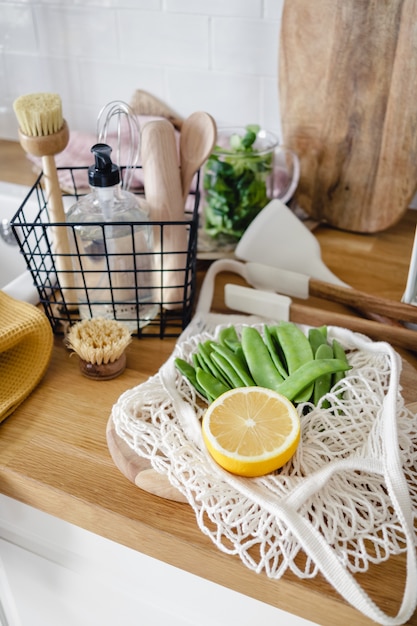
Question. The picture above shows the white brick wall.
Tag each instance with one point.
(215, 55)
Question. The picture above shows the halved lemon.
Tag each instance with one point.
(251, 431)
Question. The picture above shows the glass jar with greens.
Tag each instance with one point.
(244, 172)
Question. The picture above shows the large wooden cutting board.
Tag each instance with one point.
(139, 471)
(348, 101)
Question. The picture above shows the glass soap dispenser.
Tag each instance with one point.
(112, 248)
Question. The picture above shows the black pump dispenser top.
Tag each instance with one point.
(103, 173)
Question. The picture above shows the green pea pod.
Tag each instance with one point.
(240, 355)
(197, 361)
(229, 374)
(208, 365)
(200, 360)
(187, 370)
(323, 383)
(213, 387)
(316, 338)
(339, 353)
(323, 330)
(297, 351)
(273, 351)
(306, 374)
(232, 345)
(228, 337)
(261, 366)
(237, 361)
(205, 359)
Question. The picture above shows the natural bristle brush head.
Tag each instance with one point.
(100, 345)
(42, 128)
(39, 114)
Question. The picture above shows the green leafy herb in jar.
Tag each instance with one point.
(237, 182)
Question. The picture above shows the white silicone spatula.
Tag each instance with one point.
(276, 237)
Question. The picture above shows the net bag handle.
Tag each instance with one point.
(389, 465)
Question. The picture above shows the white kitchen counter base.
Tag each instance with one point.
(60, 574)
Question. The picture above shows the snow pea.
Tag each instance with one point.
(237, 361)
(189, 372)
(197, 361)
(273, 351)
(228, 372)
(323, 383)
(339, 353)
(297, 351)
(316, 338)
(213, 388)
(208, 365)
(260, 363)
(306, 374)
(228, 337)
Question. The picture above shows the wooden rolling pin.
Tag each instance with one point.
(163, 192)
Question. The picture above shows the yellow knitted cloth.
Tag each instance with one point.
(26, 341)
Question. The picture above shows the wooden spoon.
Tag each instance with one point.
(197, 140)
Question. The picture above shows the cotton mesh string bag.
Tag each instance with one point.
(347, 499)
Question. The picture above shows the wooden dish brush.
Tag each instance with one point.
(43, 132)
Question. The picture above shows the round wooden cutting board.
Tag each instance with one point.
(348, 103)
(139, 471)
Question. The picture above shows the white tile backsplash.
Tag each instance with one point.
(215, 55)
(228, 97)
(164, 39)
(17, 28)
(77, 31)
(245, 46)
(238, 8)
(117, 82)
(219, 56)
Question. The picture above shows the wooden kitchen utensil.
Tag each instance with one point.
(302, 286)
(197, 140)
(163, 192)
(276, 306)
(44, 133)
(348, 101)
(145, 103)
(277, 238)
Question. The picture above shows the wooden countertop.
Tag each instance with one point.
(54, 454)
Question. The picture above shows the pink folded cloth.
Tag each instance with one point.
(78, 154)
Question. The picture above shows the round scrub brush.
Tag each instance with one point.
(43, 133)
(100, 345)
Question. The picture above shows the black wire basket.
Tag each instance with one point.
(150, 309)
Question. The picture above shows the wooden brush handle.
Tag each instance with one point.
(59, 236)
(46, 147)
(363, 301)
(399, 336)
